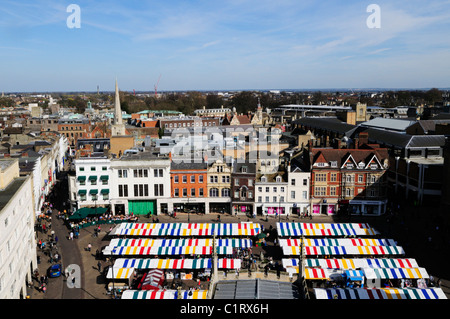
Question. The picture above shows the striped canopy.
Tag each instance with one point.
(316, 273)
(343, 250)
(148, 263)
(187, 229)
(119, 273)
(138, 250)
(199, 263)
(336, 242)
(361, 293)
(324, 229)
(164, 294)
(201, 242)
(396, 273)
(355, 263)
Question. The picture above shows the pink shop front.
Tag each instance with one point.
(324, 208)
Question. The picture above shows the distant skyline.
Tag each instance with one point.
(223, 45)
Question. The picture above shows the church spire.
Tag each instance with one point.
(117, 110)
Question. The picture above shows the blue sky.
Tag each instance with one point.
(223, 45)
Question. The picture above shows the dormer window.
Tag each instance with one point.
(263, 179)
(244, 169)
(361, 165)
(278, 179)
(333, 164)
(349, 165)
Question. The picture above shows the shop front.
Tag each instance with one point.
(367, 208)
(242, 209)
(324, 207)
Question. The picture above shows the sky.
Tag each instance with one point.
(223, 45)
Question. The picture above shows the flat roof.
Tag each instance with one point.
(8, 193)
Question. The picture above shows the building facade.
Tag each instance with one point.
(243, 188)
(140, 184)
(219, 186)
(349, 180)
(189, 188)
(18, 256)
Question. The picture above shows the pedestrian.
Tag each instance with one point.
(89, 247)
(71, 235)
(99, 265)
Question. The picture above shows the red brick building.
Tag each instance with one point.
(349, 180)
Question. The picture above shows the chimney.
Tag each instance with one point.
(363, 138)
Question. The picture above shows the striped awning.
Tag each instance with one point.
(316, 273)
(360, 293)
(201, 242)
(312, 242)
(188, 229)
(228, 263)
(343, 250)
(119, 273)
(395, 273)
(141, 250)
(164, 294)
(325, 229)
(156, 263)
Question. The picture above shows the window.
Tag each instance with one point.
(293, 182)
(193, 179)
(81, 169)
(320, 191)
(259, 199)
(123, 190)
(184, 192)
(104, 168)
(267, 199)
(333, 177)
(292, 194)
(278, 179)
(213, 192)
(305, 182)
(184, 179)
(175, 179)
(360, 178)
(282, 189)
(267, 189)
(200, 192)
(250, 182)
(122, 173)
(321, 177)
(274, 199)
(200, 178)
(305, 194)
(281, 199)
(260, 189)
(225, 192)
(193, 192)
(92, 168)
(176, 192)
(236, 182)
(274, 189)
(332, 191)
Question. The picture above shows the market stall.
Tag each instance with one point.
(153, 280)
(187, 229)
(164, 294)
(361, 293)
(286, 229)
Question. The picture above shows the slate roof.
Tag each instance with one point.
(255, 289)
(331, 124)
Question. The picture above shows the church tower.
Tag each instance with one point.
(118, 128)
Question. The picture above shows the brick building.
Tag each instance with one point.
(349, 180)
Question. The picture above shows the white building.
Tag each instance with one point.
(298, 189)
(271, 191)
(140, 184)
(90, 187)
(17, 240)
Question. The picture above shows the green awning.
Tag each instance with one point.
(82, 178)
(88, 211)
(104, 191)
(92, 178)
(82, 192)
(93, 191)
(104, 177)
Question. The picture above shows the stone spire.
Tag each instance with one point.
(118, 128)
(117, 110)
